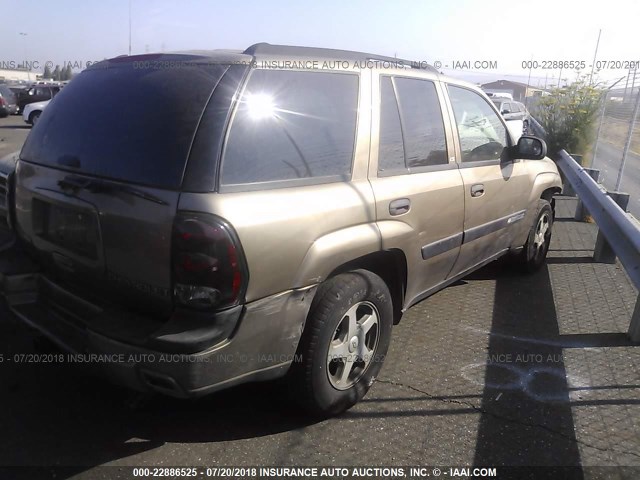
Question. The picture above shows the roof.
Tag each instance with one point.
(265, 51)
(502, 83)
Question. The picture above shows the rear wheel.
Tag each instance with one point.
(535, 250)
(344, 343)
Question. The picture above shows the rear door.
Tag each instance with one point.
(97, 188)
(415, 179)
(496, 189)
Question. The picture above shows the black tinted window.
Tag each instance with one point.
(391, 149)
(43, 92)
(482, 134)
(121, 122)
(291, 125)
(422, 124)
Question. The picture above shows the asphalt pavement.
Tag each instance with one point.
(13, 133)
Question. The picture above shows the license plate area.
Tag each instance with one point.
(72, 228)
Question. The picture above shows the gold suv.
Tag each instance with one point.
(217, 218)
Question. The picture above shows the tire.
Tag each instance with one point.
(33, 118)
(341, 307)
(534, 253)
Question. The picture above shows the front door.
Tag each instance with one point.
(496, 189)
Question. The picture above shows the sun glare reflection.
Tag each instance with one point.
(260, 106)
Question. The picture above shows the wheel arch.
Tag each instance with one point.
(390, 266)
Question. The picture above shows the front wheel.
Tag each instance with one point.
(34, 117)
(344, 343)
(535, 250)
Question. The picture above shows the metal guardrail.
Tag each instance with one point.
(536, 128)
(617, 231)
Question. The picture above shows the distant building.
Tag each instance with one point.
(17, 75)
(518, 90)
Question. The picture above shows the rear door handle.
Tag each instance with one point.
(399, 206)
(477, 190)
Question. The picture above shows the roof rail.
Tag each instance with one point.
(295, 51)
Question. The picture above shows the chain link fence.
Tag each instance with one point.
(616, 150)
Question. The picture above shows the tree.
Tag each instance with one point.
(67, 73)
(56, 73)
(568, 115)
(47, 72)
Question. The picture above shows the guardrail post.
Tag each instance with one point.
(567, 189)
(603, 253)
(581, 211)
(634, 327)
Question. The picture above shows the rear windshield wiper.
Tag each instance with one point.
(72, 182)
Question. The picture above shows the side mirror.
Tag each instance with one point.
(530, 148)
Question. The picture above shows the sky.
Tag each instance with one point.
(506, 33)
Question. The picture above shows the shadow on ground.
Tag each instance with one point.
(63, 415)
(527, 417)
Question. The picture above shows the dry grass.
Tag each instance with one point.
(615, 131)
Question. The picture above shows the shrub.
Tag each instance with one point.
(568, 115)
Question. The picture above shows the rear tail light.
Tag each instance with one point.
(3, 102)
(208, 264)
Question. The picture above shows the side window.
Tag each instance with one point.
(292, 125)
(422, 123)
(506, 108)
(482, 134)
(391, 150)
(43, 92)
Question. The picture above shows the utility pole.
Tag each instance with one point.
(595, 54)
(604, 106)
(626, 85)
(24, 62)
(627, 144)
(560, 79)
(526, 98)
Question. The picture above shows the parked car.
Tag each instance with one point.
(512, 110)
(32, 111)
(37, 93)
(8, 103)
(7, 173)
(274, 222)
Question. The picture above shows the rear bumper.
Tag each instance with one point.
(261, 345)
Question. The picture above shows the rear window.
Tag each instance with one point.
(292, 126)
(125, 122)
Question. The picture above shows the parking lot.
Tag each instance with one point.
(13, 132)
(498, 369)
